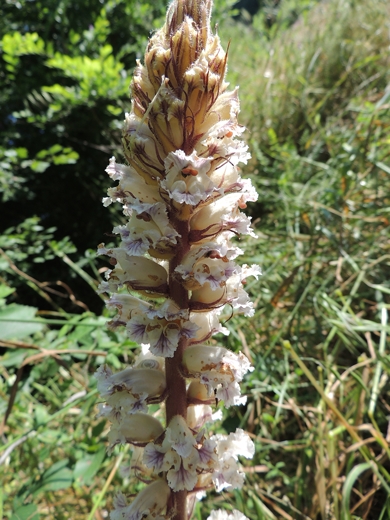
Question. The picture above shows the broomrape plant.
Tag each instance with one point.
(181, 193)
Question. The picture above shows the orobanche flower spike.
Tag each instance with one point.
(174, 271)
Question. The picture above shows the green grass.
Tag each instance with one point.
(314, 97)
(313, 93)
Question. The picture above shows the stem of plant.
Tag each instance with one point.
(176, 402)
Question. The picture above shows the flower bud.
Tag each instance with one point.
(136, 272)
(198, 415)
(131, 185)
(142, 150)
(197, 393)
(127, 305)
(204, 358)
(208, 324)
(148, 360)
(149, 503)
(138, 428)
(140, 380)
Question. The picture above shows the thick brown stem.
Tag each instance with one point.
(176, 402)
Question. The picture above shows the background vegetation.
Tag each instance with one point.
(314, 91)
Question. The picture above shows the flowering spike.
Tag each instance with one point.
(174, 270)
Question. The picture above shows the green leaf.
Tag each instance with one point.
(5, 291)
(28, 512)
(348, 485)
(39, 166)
(55, 148)
(383, 166)
(17, 322)
(49, 436)
(87, 467)
(41, 415)
(59, 476)
(22, 153)
(14, 358)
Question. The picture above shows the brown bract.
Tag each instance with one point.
(175, 91)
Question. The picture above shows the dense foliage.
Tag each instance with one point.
(64, 73)
(313, 87)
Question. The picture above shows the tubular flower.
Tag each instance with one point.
(149, 503)
(175, 269)
(128, 391)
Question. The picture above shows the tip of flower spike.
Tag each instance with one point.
(198, 10)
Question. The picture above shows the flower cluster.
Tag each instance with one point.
(174, 271)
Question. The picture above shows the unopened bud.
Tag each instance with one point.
(138, 427)
(149, 503)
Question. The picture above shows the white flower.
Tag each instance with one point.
(142, 149)
(136, 464)
(224, 515)
(127, 391)
(236, 295)
(148, 229)
(199, 359)
(208, 324)
(163, 338)
(179, 437)
(248, 190)
(229, 393)
(235, 444)
(132, 187)
(205, 264)
(186, 178)
(103, 376)
(182, 474)
(135, 272)
(227, 470)
(189, 329)
(127, 305)
(215, 272)
(123, 403)
(207, 454)
(182, 195)
(209, 297)
(219, 369)
(154, 456)
(223, 117)
(219, 216)
(163, 332)
(168, 310)
(137, 329)
(181, 455)
(227, 474)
